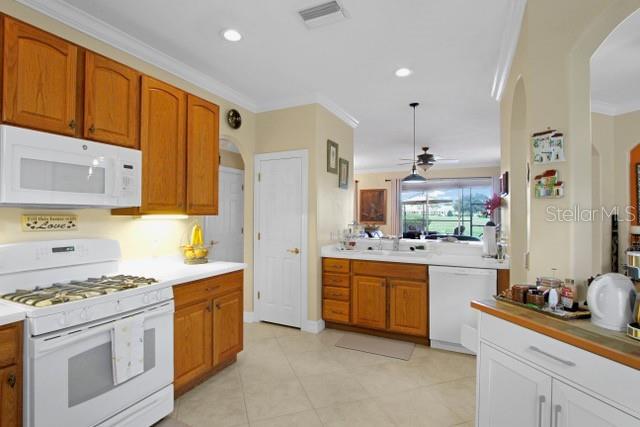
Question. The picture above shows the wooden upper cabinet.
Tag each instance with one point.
(163, 145)
(40, 74)
(369, 301)
(111, 102)
(203, 135)
(408, 307)
(192, 342)
(227, 327)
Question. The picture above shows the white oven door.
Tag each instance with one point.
(70, 374)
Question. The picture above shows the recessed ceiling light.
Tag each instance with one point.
(232, 35)
(403, 72)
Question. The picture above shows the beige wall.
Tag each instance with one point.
(551, 65)
(308, 127)
(369, 180)
(138, 238)
(232, 160)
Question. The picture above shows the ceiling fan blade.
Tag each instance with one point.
(404, 164)
(447, 161)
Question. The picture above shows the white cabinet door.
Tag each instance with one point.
(511, 393)
(573, 408)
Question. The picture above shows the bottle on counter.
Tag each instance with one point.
(569, 295)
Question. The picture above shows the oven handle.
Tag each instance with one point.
(44, 346)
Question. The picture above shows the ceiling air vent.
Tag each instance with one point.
(323, 14)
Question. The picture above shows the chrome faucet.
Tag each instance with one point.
(396, 243)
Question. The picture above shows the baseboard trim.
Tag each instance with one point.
(313, 326)
(247, 317)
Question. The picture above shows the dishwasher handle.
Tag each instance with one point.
(461, 271)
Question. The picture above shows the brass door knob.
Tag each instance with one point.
(294, 251)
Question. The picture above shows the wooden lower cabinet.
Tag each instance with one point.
(227, 327)
(192, 348)
(370, 302)
(408, 307)
(381, 298)
(208, 328)
(11, 381)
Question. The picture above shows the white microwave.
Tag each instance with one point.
(44, 169)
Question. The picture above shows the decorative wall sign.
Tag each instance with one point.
(548, 146)
(343, 176)
(332, 156)
(49, 222)
(373, 206)
(548, 186)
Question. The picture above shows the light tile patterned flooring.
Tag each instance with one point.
(285, 377)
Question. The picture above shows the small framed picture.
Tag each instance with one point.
(504, 184)
(343, 176)
(332, 156)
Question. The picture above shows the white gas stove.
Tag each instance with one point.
(77, 303)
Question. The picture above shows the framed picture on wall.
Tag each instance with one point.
(637, 193)
(343, 176)
(373, 206)
(332, 156)
(504, 184)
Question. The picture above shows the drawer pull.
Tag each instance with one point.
(556, 414)
(72, 124)
(551, 356)
(11, 380)
(541, 401)
(337, 312)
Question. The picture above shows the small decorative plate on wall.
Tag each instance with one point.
(234, 119)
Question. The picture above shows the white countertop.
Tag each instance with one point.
(171, 271)
(11, 314)
(427, 257)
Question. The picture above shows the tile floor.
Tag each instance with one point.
(285, 377)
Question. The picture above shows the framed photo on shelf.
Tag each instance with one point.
(373, 206)
(332, 156)
(343, 176)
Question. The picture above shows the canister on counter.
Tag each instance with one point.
(535, 297)
(519, 293)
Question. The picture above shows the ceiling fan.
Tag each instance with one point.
(426, 160)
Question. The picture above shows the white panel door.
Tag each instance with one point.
(227, 227)
(280, 226)
(573, 408)
(511, 393)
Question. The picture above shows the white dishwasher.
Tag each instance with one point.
(451, 290)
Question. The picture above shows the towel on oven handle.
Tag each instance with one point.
(127, 348)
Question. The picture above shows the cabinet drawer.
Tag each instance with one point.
(10, 339)
(335, 311)
(391, 269)
(335, 265)
(608, 380)
(339, 294)
(212, 287)
(341, 280)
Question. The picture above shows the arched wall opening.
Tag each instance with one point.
(225, 231)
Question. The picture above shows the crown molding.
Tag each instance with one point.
(603, 108)
(610, 109)
(319, 99)
(443, 167)
(100, 30)
(508, 45)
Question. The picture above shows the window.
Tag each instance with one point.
(445, 206)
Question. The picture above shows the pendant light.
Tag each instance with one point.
(414, 177)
